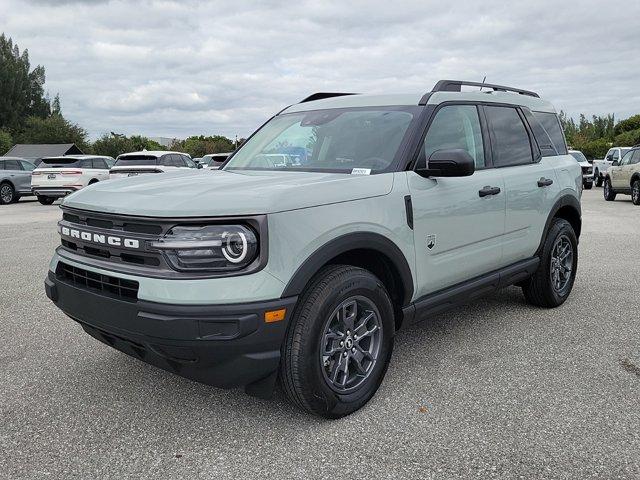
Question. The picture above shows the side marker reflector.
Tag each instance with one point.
(275, 315)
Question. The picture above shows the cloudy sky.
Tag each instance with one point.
(180, 68)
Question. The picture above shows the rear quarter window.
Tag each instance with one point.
(552, 126)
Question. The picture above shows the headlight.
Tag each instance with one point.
(211, 248)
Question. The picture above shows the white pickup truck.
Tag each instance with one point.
(601, 166)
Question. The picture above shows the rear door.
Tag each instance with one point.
(529, 179)
(25, 176)
(21, 180)
(457, 232)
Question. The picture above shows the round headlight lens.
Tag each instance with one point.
(235, 246)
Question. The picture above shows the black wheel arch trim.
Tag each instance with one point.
(566, 200)
(344, 244)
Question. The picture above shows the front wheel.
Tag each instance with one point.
(552, 282)
(338, 343)
(587, 185)
(597, 179)
(635, 192)
(608, 192)
(45, 200)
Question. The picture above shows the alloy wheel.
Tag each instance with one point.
(351, 343)
(6, 193)
(561, 264)
(635, 192)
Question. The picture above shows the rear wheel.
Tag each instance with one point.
(635, 192)
(597, 179)
(609, 193)
(588, 185)
(7, 193)
(45, 200)
(339, 342)
(552, 282)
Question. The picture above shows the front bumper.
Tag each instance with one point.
(226, 346)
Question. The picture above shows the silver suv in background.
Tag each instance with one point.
(600, 167)
(15, 179)
(140, 163)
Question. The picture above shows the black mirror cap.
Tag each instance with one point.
(454, 162)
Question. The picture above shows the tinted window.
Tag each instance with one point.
(636, 157)
(609, 156)
(509, 138)
(456, 126)
(551, 124)
(178, 161)
(547, 148)
(578, 156)
(616, 155)
(2, 165)
(626, 158)
(190, 163)
(27, 165)
(99, 163)
(12, 165)
(86, 163)
(62, 162)
(136, 161)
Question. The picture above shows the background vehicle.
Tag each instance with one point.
(57, 177)
(600, 167)
(624, 177)
(587, 168)
(214, 160)
(15, 179)
(139, 163)
(406, 206)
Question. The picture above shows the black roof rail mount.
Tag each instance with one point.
(456, 86)
(323, 95)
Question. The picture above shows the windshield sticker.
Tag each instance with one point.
(361, 171)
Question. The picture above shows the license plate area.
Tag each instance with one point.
(51, 176)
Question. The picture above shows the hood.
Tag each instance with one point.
(222, 192)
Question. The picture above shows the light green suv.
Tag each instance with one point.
(341, 220)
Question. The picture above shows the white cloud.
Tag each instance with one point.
(175, 68)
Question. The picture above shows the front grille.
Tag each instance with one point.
(98, 283)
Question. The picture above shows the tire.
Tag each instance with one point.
(318, 383)
(608, 192)
(46, 200)
(542, 289)
(635, 192)
(587, 185)
(7, 193)
(597, 179)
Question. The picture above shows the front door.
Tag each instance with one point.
(620, 175)
(457, 229)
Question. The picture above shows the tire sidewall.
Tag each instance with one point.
(337, 404)
(13, 194)
(634, 186)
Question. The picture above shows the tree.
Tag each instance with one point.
(21, 89)
(631, 123)
(197, 146)
(54, 129)
(114, 145)
(6, 142)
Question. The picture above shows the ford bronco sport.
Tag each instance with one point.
(403, 206)
(624, 177)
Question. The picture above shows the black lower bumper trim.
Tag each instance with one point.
(222, 345)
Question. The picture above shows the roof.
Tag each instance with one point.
(407, 99)
(79, 157)
(151, 153)
(39, 150)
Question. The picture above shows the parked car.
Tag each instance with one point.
(624, 177)
(139, 163)
(600, 167)
(407, 205)
(15, 179)
(214, 160)
(57, 177)
(587, 168)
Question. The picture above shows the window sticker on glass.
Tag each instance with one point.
(361, 171)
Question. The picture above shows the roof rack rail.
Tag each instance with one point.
(322, 95)
(456, 86)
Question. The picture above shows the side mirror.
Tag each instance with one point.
(453, 162)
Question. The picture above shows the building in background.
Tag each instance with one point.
(40, 150)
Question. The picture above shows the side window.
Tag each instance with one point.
(553, 128)
(165, 160)
(616, 155)
(510, 141)
(626, 159)
(609, 156)
(636, 157)
(86, 163)
(2, 167)
(456, 126)
(99, 163)
(179, 161)
(190, 163)
(27, 166)
(12, 165)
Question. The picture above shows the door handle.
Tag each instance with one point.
(486, 191)
(544, 182)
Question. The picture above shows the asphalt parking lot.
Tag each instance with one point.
(496, 389)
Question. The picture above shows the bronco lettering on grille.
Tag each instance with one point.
(100, 238)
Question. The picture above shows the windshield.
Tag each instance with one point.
(338, 140)
(136, 161)
(579, 156)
